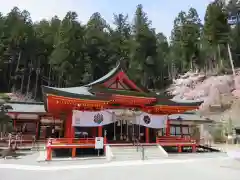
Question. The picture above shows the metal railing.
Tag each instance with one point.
(140, 147)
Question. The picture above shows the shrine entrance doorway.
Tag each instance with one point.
(124, 131)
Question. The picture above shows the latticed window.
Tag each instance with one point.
(175, 130)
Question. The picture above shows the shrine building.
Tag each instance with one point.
(115, 108)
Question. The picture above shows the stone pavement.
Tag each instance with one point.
(200, 169)
(226, 147)
(203, 166)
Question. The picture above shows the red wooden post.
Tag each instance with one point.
(69, 129)
(105, 140)
(168, 128)
(14, 124)
(105, 143)
(100, 131)
(179, 148)
(147, 134)
(73, 152)
(194, 148)
(94, 131)
(49, 154)
(72, 132)
(49, 150)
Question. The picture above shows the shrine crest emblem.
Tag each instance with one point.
(98, 118)
(147, 119)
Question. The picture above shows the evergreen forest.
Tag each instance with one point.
(66, 53)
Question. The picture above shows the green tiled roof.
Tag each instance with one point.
(188, 117)
(121, 92)
(86, 91)
(105, 77)
(58, 92)
(89, 91)
(81, 90)
(26, 108)
(170, 102)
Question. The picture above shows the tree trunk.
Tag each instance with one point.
(28, 83)
(10, 75)
(215, 61)
(231, 62)
(1, 129)
(18, 61)
(36, 84)
(49, 76)
(17, 69)
(219, 56)
(59, 81)
(22, 82)
(29, 76)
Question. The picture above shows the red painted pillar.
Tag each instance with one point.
(67, 126)
(194, 148)
(168, 128)
(15, 125)
(49, 150)
(147, 134)
(69, 129)
(179, 148)
(94, 131)
(100, 131)
(72, 128)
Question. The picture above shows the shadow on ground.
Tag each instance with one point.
(13, 154)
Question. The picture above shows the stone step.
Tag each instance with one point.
(131, 153)
(127, 150)
(125, 153)
(153, 152)
(116, 150)
(125, 147)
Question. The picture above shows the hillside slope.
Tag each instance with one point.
(220, 94)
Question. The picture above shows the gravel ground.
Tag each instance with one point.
(207, 166)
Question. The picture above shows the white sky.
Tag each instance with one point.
(161, 13)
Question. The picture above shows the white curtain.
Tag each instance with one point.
(91, 118)
(101, 118)
(152, 121)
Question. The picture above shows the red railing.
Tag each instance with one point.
(174, 139)
(72, 141)
(69, 143)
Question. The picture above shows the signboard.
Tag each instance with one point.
(99, 143)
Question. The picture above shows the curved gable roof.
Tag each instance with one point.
(105, 77)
